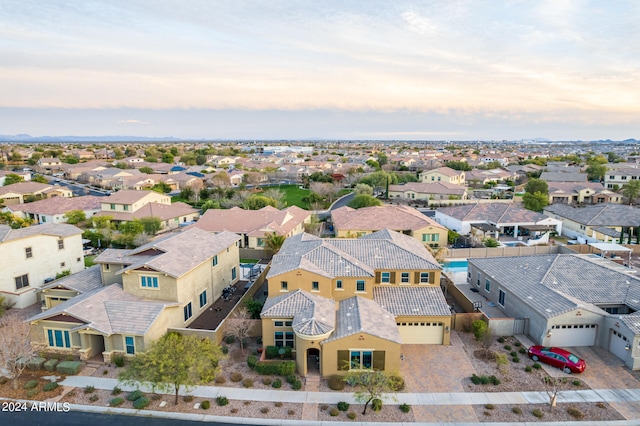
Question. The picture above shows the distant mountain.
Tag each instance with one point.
(24, 138)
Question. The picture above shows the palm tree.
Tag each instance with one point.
(631, 190)
(274, 241)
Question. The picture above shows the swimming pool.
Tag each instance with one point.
(455, 266)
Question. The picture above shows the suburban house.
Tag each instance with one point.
(53, 210)
(443, 174)
(563, 176)
(26, 176)
(581, 193)
(351, 301)
(567, 299)
(598, 222)
(428, 191)
(127, 205)
(481, 177)
(620, 177)
(32, 256)
(21, 192)
(349, 222)
(49, 163)
(494, 219)
(252, 225)
(132, 296)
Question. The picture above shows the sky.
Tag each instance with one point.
(271, 69)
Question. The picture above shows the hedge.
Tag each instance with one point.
(50, 365)
(36, 363)
(281, 368)
(69, 368)
(274, 352)
(141, 403)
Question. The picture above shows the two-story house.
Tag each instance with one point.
(443, 174)
(620, 177)
(348, 302)
(138, 295)
(31, 256)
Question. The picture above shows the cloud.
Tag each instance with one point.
(134, 122)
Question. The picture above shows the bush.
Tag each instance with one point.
(267, 381)
(229, 339)
(334, 412)
(233, 410)
(89, 389)
(527, 369)
(118, 360)
(517, 345)
(343, 406)
(205, 405)
(513, 353)
(405, 408)
(264, 410)
(280, 368)
(220, 380)
(225, 349)
(376, 404)
(236, 377)
(278, 404)
(116, 401)
(522, 351)
(247, 383)
(31, 384)
(335, 382)
(252, 360)
(494, 380)
(537, 366)
(94, 398)
(141, 403)
(277, 384)
(297, 385)
(136, 394)
(69, 368)
(576, 383)
(507, 347)
(479, 327)
(515, 359)
(187, 398)
(489, 406)
(516, 410)
(50, 365)
(291, 378)
(50, 386)
(501, 339)
(537, 413)
(36, 363)
(31, 393)
(291, 412)
(396, 383)
(575, 413)
(222, 401)
(116, 391)
(351, 415)
(601, 404)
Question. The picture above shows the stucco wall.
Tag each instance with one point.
(329, 353)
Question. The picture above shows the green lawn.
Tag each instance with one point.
(294, 195)
(242, 260)
(88, 261)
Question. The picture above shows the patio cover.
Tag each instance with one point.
(610, 247)
(538, 227)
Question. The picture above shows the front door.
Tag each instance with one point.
(313, 361)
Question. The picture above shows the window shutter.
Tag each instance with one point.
(377, 277)
(392, 277)
(343, 360)
(378, 360)
(416, 277)
(432, 277)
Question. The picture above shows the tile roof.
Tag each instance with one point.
(253, 222)
(360, 315)
(447, 171)
(61, 230)
(86, 280)
(161, 211)
(412, 301)
(430, 188)
(130, 196)
(25, 188)
(497, 213)
(399, 218)
(563, 177)
(59, 205)
(606, 214)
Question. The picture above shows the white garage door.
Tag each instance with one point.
(426, 333)
(618, 344)
(573, 335)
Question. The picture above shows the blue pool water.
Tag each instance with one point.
(455, 266)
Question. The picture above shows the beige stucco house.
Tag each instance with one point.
(443, 174)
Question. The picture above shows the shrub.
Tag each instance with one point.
(225, 349)
(517, 344)
(252, 360)
(281, 368)
(187, 398)
(516, 410)
(118, 360)
(3, 380)
(136, 394)
(501, 339)
(486, 413)
(50, 386)
(513, 353)
(515, 359)
(537, 413)
(334, 412)
(89, 389)
(31, 384)
(229, 339)
(485, 380)
(277, 384)
(537, 366)
(405, 408)
(522, 350)
(116, 391)
(489, 406)
(69, 368)
(222, 401)
(31, 393)
(105, 372)
(479, 328)
(575, 413)
(527, 369)
(351, 415)
(297, 385)
(576, 383)
(376, 404)
(396, 383)
(267, 381)
(324, 407)
(291, 378)
(94, 398)
(116, 401)
(236, 376)
(336, 383)
(220, 380)
(494, 380)
(343, 406)
(50, 365)
(278, 404)
(247, 383)
(36, 363)
(141, 403)
(507, 347)
(233, 410)
(155, 396)
(264, 410)
(205, 405)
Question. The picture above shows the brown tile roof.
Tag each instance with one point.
(161, 211)
(253, 222)
(24, 188)
(430, 188)
(128, 196)
(59, 205)
(398, 218)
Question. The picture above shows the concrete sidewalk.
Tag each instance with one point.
(444, 398)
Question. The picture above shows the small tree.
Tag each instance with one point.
(15, 346)
(372, 384)
(631, 190)
(479, 329)
(12, 178)
(75, 216)
(274, 241)
(552, 386)
(238, 325)
(364, 200)
(491, 242)
(151, 224)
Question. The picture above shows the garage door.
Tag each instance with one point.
(426, 333)
(573, 335)
(618, 344)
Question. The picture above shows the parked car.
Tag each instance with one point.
(557, 357)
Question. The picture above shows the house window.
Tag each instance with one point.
(284, 285)
(501, 298)
(261, 242)
(60, 244)
(234, 274)
(283, 338)
(130, 345)
(215, 260)
(203, 298)
(28, 252)
(59, 338)
(149, 282)
(424, 277)
(385, 277)
(404, 277)
(478, 281)
(361, 359)
(339, 284)
(430, 238)
(188, 313)
(315, 285)
(62, 264)
(360, 285)
(113, 206)
(487, 285)
(22, 281)
(106, 266)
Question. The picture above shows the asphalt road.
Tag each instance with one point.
(78, 189)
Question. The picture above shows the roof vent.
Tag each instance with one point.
(548, 310)
(349, 328)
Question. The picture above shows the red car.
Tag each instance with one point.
(565, 360)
